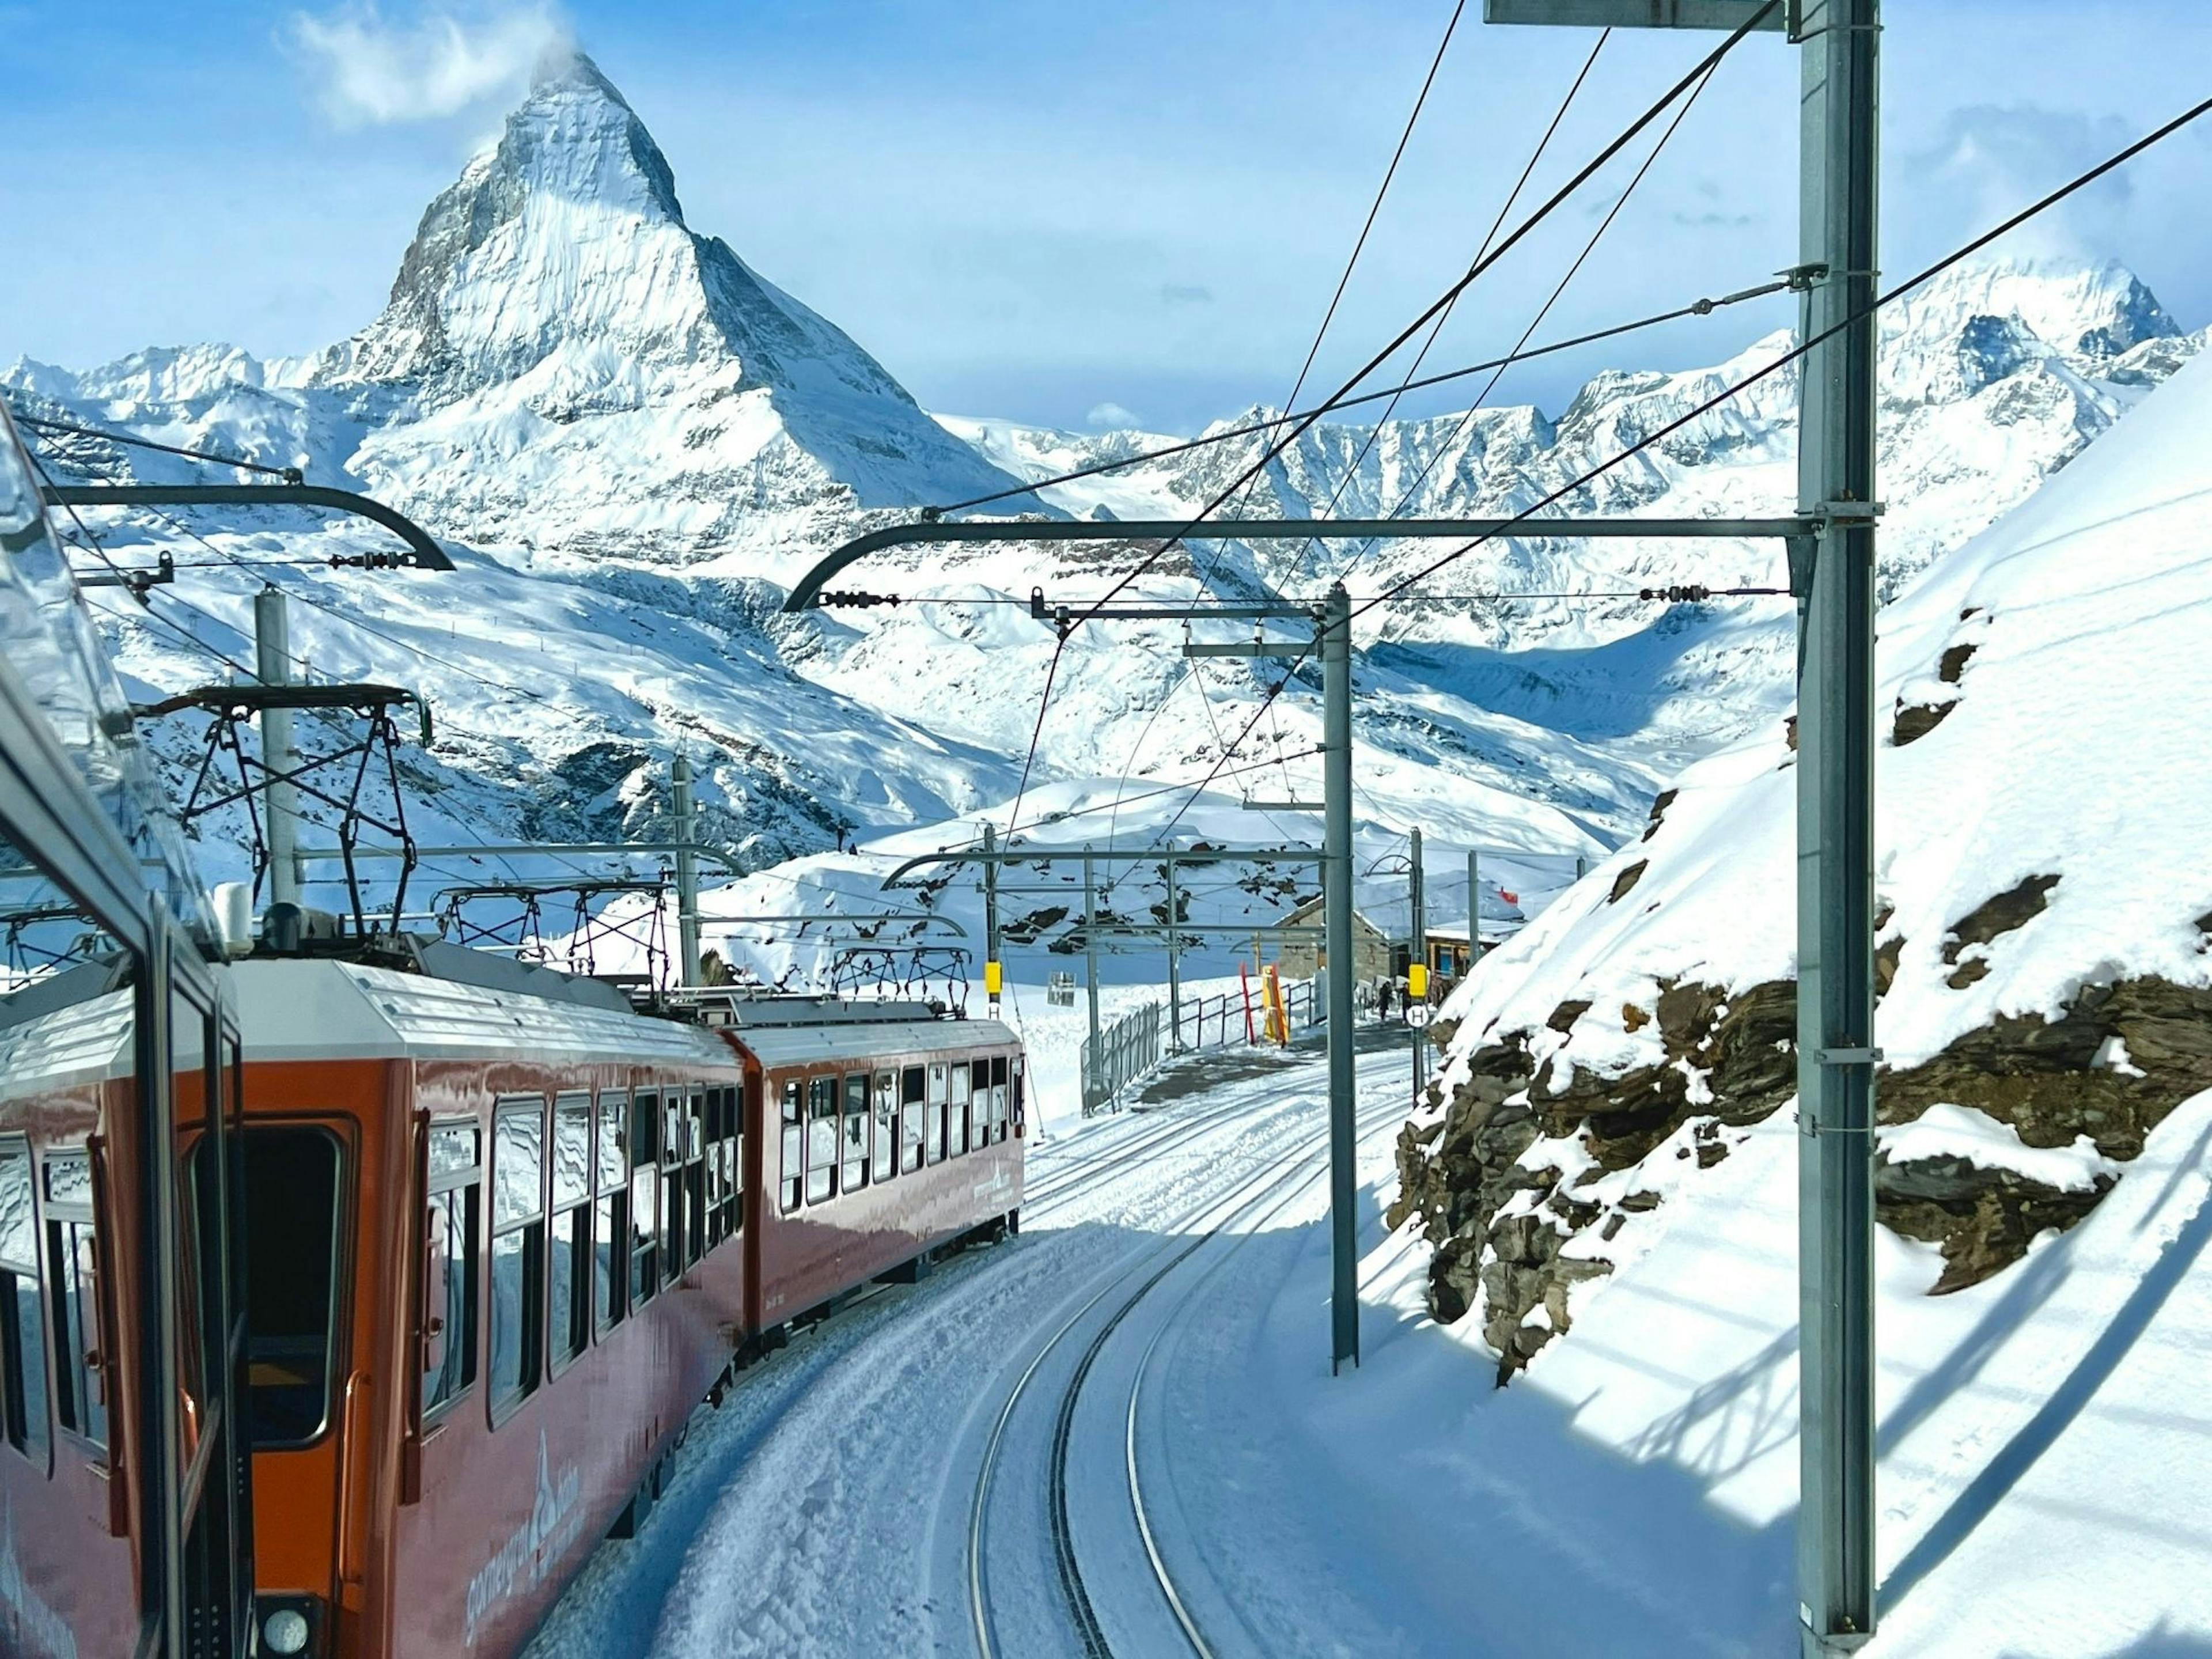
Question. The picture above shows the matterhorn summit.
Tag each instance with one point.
(556, 325)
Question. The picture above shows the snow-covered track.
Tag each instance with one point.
(1121, 1152)
(1267, 1190)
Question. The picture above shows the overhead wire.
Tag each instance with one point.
(1703, 307)
(2081, 181)
(1408, 496)
(1535, 157)
(1278, 444)
(47, 423)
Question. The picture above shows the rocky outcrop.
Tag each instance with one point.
(1500, 1214)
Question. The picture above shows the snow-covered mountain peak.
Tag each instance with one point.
(2080, 309)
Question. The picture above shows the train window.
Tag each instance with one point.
(518, 1248)
(999, 1097)
(73, 1265)
(610, 1214)
(733, 1160)
(933, 1124)
(292, 1285)
(568, 1261)
(793, 1149)
(612, 1156)
(886, 1126)
(716, 1128)
(572, 1150)
(23, 1307)
(910, 1110)
(449, 1281)
(855, 1172)
(955, 1121)
(644, 1200)
(1018, 1101)
(821, 1138)
(694, 1177)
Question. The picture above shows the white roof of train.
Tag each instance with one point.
(80, 1043)
(295, 1009)
(797, 1045)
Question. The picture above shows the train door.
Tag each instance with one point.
(138, 1257)
(208, 1321)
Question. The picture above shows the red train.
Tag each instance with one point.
(344, 1307)
(505, 1237)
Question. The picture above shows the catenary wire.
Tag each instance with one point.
(1698, 308)
(1406, 497)
(47, 424)
(2080, 182)
(1413, 368)
(1277, 446)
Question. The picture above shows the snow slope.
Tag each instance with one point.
(2044, 1102)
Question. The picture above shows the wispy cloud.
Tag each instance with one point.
(1109, 417)
(1185, 294)
(1989, 161)
(370, 69)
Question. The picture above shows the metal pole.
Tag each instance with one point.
(1835, 1054)
(1174, 962)
(687, 874)
(1417, 897)
(1473, 907)
(992, 970)
(1091, 972)
(1336, 889)
(272, 657)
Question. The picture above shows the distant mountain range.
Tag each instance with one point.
(639, 443)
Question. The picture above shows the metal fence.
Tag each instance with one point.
(1127, 1049)
(1219, 1021)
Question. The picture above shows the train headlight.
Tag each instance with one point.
(286, 1631)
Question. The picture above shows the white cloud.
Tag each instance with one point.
(1989, 161)
(371, 70)
(1111, 415)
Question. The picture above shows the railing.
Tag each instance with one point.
(1127, 1049)
(1219, 1021)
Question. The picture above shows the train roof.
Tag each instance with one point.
(307, 1008)
(80, 1041)
(799, 1044)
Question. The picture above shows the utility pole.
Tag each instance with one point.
(272, 655)
(1090, 976)
(687, 874)
(1336, 903)
(1836, 1056)
(994, 973)
(1175, 960)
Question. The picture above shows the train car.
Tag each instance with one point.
(124, 1524)
(508, 1234)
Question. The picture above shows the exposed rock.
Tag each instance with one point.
(1981, 1219)
(1887, 956)
(1996, 916)
(1564, 1016)
(1633, 1019)
(1790, 732)
(1953, 664)
(1659, 811)
(1626, 881)
(2052, 1080)
(1916, 721)
(1971, 973)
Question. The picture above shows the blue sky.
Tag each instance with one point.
(1037, 210)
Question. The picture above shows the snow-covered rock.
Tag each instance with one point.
(2044, 929)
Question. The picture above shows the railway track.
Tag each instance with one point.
(1264, 1193)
